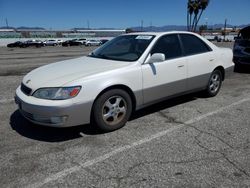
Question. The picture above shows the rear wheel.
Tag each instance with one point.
(112, 110)
(214, 83)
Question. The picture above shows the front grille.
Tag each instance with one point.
(26, 90)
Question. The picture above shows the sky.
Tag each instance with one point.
(67, 14)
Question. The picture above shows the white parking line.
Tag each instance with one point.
(4, 101)
(102, 158)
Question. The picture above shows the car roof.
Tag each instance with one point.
(160, 33)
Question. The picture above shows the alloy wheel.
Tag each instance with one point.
(214, 83)
(114, 110)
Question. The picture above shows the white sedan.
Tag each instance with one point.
(93, 42)
(51, 42)
(123, 75)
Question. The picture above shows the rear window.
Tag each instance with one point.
(193, 45)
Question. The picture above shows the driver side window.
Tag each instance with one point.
(169, 45)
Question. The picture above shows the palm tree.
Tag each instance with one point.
(195, 7)
(190, 11)
(203, 5)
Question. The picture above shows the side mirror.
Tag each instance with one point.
(156, 58)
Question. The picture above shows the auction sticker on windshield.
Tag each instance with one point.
(143, 37)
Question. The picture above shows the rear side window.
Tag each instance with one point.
(193, 45)
(169, 45)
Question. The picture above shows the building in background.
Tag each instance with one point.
(74, 33)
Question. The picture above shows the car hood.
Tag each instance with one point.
(61, 73)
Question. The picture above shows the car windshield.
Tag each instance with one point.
(123, 48)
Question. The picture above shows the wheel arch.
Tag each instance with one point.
(122, 87)
(222, 70)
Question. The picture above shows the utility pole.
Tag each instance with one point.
(225, 26)
(141, 25)
(88, 24)
(7, 24)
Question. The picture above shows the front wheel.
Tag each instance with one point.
(112, 110)
(214, 83)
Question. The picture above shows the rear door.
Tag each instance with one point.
(201, 61)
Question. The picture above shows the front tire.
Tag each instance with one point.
(214, 84)
(112, 110)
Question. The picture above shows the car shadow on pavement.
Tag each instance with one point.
(48, 134)
(51, 134)
(166, 104)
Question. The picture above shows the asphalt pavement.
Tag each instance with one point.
(189, 141)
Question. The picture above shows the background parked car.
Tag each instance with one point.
(16, 44)
(51, 42)
(81, 41)
(36, 43)
(59, 41)
(73, 42)
(217, 38)
(103, 41)
(67, 42)
(93, 42)
(241, 48)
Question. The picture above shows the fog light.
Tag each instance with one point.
(58, 119)
(50, 120)
(41, 119)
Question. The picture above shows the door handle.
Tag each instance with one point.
(211, 60)
(179, 66)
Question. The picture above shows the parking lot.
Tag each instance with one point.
(189, 141)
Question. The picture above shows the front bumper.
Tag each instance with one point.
(54, 113)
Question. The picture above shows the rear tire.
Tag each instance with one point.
(112, 110)
(214, 84)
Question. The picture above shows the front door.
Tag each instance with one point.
(163, 79)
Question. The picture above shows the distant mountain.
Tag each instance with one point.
(181, 27)
(228, 25)
(83, 28)
(161, 28)
(23, 27)
(137, 28)
(31, 28)
(7, 28)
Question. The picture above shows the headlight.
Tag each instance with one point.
(59, 93)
